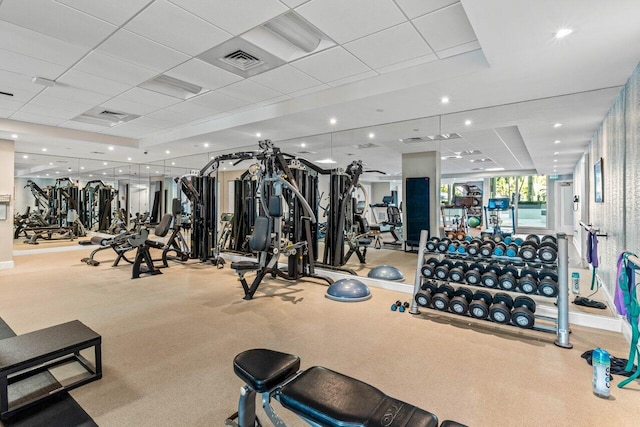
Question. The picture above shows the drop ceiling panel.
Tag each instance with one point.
(332, 64)
(86, 81)
(30, 43)
(344, 21)
(457, 50)
(75, 95)
(116, 69)
(29, 66)
(446, 27)
(415, 8)
(56, 20)
(144, 52)
(234, 16)
(83, 126)
(351, 79)
(115, 11)
(406, 64)
(293, 3)
(170, 116)
(248, 91)
(313, 89)
(148, 97)
(36, 118)
(8, 103)
(6, 113)
(286, 79)
(127, 106)
(203, 74)
(52, 102)
(393, 45)
(41, 110)
(172, 26)
(218, 102)
(188, 111)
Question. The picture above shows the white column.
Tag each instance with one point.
(6, 187)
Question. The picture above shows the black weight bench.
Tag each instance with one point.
(319, 396)
(25, 361)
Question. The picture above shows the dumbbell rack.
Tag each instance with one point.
(561, 322)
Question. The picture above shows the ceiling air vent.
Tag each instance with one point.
(481, 160)
(101, 117)
(414, 140)
(366, 145)
(306, 152)
(241, 57)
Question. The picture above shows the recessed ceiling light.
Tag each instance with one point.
(557, 125)
(555, 160)
(157, 172)
(555, 153)
(120, 170)
(25, 157)
(147, 167)
(14, 136)
(168, 152)
(494, 169)
(258, 134)
(129, 158)
(57, 171)
(206, 145)
(467, 122)
(47, 174)
(110, 148)
(90, 175)
(400, 140)
(326, 161)
(50, 163)
(333, 120)
(44, 149)
(372, 135)
(562, 32)
(444, 99)
(68, 169)
(38, 176)
(104, 173)
(82, 167)
(303, 144)
(104, 163)
(224, 169)
(173, 163)
(557, 141)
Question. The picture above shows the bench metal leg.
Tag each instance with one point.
(4, 395)
(98, 359)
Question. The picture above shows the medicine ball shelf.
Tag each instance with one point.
(528, 276)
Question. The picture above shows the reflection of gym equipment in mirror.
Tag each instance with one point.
(96, 210)
(495, 211)
(56, 217)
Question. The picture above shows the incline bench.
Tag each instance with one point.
(25, 357)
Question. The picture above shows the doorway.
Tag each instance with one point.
(564, 207)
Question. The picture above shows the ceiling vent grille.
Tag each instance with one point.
(101, 117)
(306, 152)
(481, 160)
(366, 145)
(242, 60)
(413, 140)
(441, 137)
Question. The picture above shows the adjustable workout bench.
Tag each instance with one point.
(320, 396)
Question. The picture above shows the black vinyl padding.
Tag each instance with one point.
(275, 206)
(176, 207)
(263, 369)
(449, 423)
(97, 240)
(164, 226)
(335, 400)
(260, 238)
(244, 265)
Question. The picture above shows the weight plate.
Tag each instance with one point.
(548, 254)
(495, 268)
(476, 266)
(484, 296)
(466, 293)
(479, 310)
(472, 277)
(549, 238)
(432, 244)
(447, 262)
(510, 269)
(428, 270)
(499, 314)
(547, 273)
(507, 282)
(533, 237)
(548, 288)
(486, 251)
(456, 275)
(548, 244)
(528, 285)
(527, 302)
(461, 264)
(442, 246)
(503, 298)
(497, 238)
(452, 247)
(489, 279)
(441, 272)
(518, 241)
(441, 302)
(429, 286)
(527, 252)
(459, 305)
(433, 261)
(473, 250)
(468, 238)
(508, 240)
(529, 272)
(499, 250)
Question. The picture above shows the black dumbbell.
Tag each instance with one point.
(490, 276)
(429, 267)
(509, 278)
(523, 312)
(460, 302)
(479, 306)
(441, 271)
(499, 249)
(497, 238)
(500, 310)
(443, 245)
(548, 251)
(528, 250)
(548, 287)
(473, 248)
(548, 238)
(474, 274)
(528, 282)
(443, 295)
(396, 305)
(486, 250)
(533, 238)
(456, 273)
(432, 244)
(425, 296)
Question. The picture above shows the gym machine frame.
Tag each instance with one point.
(562, 321)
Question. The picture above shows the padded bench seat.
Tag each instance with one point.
(27, 355)
(240, 266)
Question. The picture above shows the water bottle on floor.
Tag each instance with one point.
(575, 282)
(601, 369)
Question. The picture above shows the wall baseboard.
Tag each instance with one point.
(6, 264)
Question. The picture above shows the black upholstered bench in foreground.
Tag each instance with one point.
(319, 396)
(25, 356)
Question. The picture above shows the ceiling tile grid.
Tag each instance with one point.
(415, 8)
(86, 81)
(218, 102)
(234, 16)
(345, 21)
(446, 28)
(332, 64)
(114, 11)
(390, 46)
(174, 27)
(29, 66)
(285, 79)
(202, 74)
(116, 69)
(56, 20)
(248, 91)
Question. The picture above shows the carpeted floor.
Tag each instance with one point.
(169, 341)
